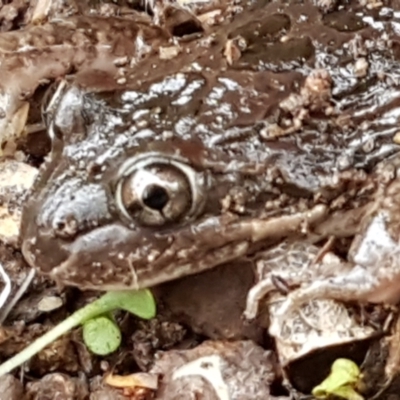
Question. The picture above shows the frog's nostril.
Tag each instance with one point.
(66, 228)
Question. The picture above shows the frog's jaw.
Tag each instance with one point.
(115, 257)
(62, 274)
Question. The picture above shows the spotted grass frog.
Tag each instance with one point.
(278, 125)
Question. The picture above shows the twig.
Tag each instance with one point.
(20, 292)
(5, 294)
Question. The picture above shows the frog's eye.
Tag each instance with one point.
(157, 190)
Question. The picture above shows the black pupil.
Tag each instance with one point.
(155, 197)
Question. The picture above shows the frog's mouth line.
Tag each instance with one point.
(122, 274)
(63, 274)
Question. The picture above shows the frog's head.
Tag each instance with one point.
(137, 191)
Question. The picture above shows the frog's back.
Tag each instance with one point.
(316, 91)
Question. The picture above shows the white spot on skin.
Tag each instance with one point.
(379, 26)
(229, 84)
(137, 115)
(187, 93)
(169, 85)
(215, 95)
(196, 67)
(153, 256)
(119, 143)
(130, 97)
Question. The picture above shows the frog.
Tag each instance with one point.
(275, 126)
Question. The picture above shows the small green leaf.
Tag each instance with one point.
(341, 382)
(137, 302)
(101, 335)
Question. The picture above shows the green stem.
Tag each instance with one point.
(138, 302)
(92, 310)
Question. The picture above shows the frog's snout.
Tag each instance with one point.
(45, 234)
(42, 253)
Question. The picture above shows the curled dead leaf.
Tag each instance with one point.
(140, 379)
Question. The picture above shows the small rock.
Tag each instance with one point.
(168, 53)
(216, 370)
(152, 336)
(58, 356)
(326, 5)
(10, 388)
(57, 386)
(121, 61)
(121, 81)
(15, 179)
(396, 138)
(360, 68)
(50, 303)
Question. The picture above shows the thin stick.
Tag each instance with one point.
(20, 292)
(5, 294)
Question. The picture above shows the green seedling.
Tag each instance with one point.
(138, 302)
(341, 382)
(101, 335)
